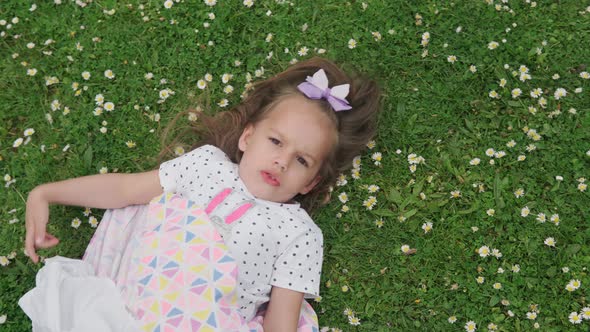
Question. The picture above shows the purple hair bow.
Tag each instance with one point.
(316, 87)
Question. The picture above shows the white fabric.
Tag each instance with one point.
(274, 244)
(68, 297)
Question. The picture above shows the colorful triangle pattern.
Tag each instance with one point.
(183, 277)
(176, 295)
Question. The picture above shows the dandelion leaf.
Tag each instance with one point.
(573, 249)
(395, 196)
(418, 188)
(384, 213)
(410, 213)
(88, 154)
(494, 300)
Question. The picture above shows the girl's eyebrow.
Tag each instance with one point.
(282, 138)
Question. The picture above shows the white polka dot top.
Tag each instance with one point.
(274, 244)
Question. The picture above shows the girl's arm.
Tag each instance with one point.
(98, 191)
(283, 310)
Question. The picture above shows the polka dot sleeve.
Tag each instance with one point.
(176, 173)
(299, 267)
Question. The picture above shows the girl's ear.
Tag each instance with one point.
(311, 185)
(245, 137)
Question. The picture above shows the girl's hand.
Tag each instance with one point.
(37, 216)
(102, 191)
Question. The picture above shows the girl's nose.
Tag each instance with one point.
(281, 162)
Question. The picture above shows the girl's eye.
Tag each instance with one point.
(274, 141)
(302, 161)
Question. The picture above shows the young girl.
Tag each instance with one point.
(267, 163)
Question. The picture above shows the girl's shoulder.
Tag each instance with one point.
(204, 167)
(208, 156)
(207, 151)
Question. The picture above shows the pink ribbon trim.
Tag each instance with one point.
(217, 200)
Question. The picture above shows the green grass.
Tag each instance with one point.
(431, 107)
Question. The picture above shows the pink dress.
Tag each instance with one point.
(172, 267)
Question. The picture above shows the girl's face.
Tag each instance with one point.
(283, 152)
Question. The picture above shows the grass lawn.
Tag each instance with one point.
(471, 210)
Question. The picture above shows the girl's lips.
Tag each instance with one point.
(270, 179)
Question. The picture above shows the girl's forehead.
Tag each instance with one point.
(295, 107)
(299, 110)
(303, 120)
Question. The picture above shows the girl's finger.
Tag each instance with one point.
(47, 242)
(30, 243)
(39, 235)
